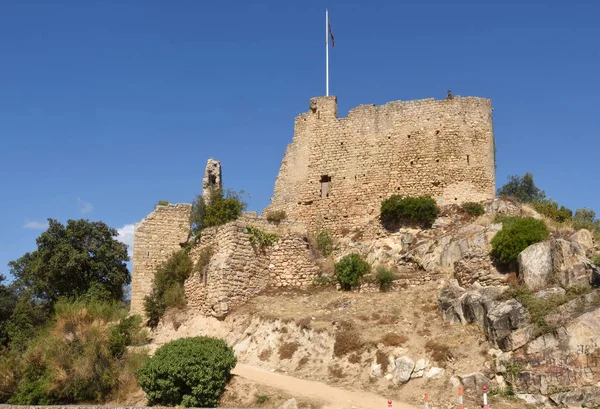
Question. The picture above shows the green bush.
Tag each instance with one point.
(276, 216)
(261, 238)
(474, 209)
(216, 209)
(167, 288)
(350, 269)
(596, 260)
(162, 203)
(123, 334)
(550, 209)
(191, 372)
(325, 243)
(516, 235)
(421, 210)
(384, 277)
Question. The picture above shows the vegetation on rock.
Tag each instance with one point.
(276, 216)
(261, 238)
(325, 243)
(474, 209)
(420, 210)
(167, 287)
(350, 269)
(522, 189)
(217, 209)
(189, 372)
(516, 235)
(384, 278)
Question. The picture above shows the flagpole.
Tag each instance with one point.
(326, 52)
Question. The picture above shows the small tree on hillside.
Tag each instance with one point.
(523, 189)
(217, 209)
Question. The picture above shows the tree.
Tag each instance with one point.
(8, 301)
(216, 209)
(83, 257)
(523, 189)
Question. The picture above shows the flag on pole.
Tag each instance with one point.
(331, 34)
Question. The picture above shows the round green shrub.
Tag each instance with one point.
(474, 209)
(350, 269)
(516, 235)
(384, 277)
(189, 372)
(420, 210)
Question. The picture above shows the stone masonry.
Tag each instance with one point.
(155, 238)
(212, 177)
(336, 171)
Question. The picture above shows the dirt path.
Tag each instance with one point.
(335, 398)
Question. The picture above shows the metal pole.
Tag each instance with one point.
(326, 52)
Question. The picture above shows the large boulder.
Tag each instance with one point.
(535, 265)
(503, 319)
(587, 397)
(474, 380)
(404, 369)
(557, 261)
(584, 238)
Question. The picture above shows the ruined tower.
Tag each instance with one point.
(212, 177)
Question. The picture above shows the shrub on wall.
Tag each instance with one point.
(324, 243)
(167, 288)
(420, 210)
(516, 235)
(350, 269)
(261, 238)
(216, 209)
(474, 209)
(191, 372)
(276, 216)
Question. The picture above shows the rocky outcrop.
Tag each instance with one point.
(587, 397)
(482, 306)
(557, 261)
(584, 238)
(404, 369)
(477, 268)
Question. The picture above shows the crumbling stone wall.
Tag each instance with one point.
(239, 270)
(155, 239)
(336, 171)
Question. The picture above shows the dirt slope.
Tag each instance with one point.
(335, 398)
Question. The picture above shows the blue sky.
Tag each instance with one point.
(107, 107)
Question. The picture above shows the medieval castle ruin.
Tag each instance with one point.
(333, 177)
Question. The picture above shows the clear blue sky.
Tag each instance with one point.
(107, 107)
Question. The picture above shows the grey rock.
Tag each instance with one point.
(434, 373)
(404, 369)
(588, 396)
(550, 292)
(290, 404)
(535, 265)
(474, 380)
(503, 319)
(584, 238)
(419, 370)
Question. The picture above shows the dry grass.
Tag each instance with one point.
(304, 323)
(347, 341)
(265, 354)
(354, 358)
(440, 353)
(393, 340)
(288, 349)
(382, 360)
(336, 372)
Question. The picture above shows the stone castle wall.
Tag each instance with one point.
(155, 238)
(336, 171)
(239, 270)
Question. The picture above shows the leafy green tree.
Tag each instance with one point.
(72, 260)
(420, 210)
(191, 372)
(28, 315)
(523, 189)
(8, 301)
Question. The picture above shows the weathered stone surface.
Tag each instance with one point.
(550, 292)
(535, 265)
(477, 268)
(588, 397)
(290, 404)
(503, 319)
(434, 373)
(376, 370)
(336, 171)
(584, 238)
(404, 369)
(474, 380)
(212, 177)
(419, 370)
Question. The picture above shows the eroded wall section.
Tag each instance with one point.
(336, 171)
(155, 239)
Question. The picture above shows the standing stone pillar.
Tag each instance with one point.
(212, 178)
